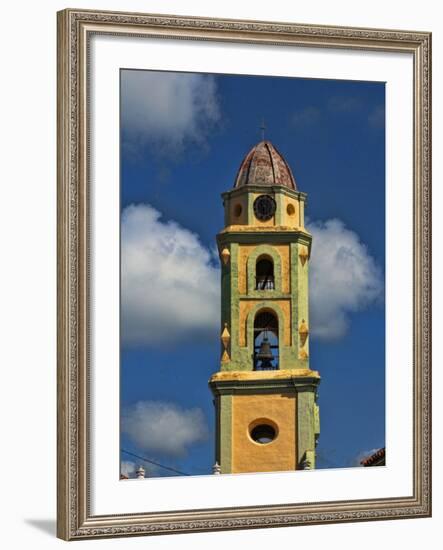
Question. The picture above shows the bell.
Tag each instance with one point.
(265, 354)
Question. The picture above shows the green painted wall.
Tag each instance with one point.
(307, 421)
(225, 433)
(241, 357)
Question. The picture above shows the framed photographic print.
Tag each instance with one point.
(243, 274)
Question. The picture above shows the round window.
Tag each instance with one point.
(237, 210)
(290, 210)
(263, 433)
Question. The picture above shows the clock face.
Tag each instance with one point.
(264, 207)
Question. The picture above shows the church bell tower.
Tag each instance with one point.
(265, 393)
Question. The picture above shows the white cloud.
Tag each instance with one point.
(343, 278)
(164, 428)
(167, 110)
(127, 468)
(170, 286)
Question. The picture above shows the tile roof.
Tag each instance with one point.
(264, 165)
(375, 457)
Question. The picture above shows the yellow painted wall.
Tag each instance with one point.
(283, 250)
(290, 219)
(290, 212)
(235, 204)
(245, 308)
(259, 223)
(280, 454)
(245, 250)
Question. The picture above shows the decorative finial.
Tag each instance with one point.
(225, 255)
(263, 128)
(225, 336)
(306, 464)
(303, 254)
(140, 473)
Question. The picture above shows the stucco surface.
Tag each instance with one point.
(279, 410)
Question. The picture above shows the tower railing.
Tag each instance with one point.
(264, 282)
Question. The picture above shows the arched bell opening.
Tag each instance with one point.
(264, 274)
(266, 352)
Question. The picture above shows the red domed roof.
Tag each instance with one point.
(264, 165)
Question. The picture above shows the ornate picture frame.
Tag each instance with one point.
(75, 517)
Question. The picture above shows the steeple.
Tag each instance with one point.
(265, 392)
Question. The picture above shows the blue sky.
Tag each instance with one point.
(183, 137)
